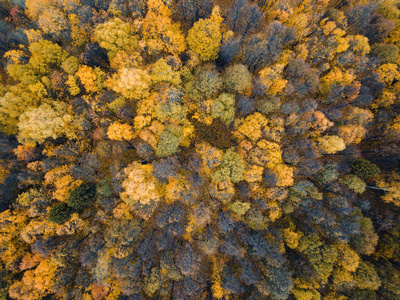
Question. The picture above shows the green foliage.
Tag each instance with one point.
(354, 183)
(231, 168)
(328, 174)
(169, 140)
(387, 53)
(320, 255)
(70, 65)
(207, 81)
(60, 213)
(367, 277)
(364, 168)
(268, 105)
(161, 71)
(171, 111)
(82, 196)
(239, 208)
(44, 55)
(224, 108)
(27, 197)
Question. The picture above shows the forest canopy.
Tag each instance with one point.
(199, 149)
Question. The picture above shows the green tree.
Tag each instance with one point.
(354, 183)
(60, 213)
(367, 277)
(363, 168)
(70, 65)
(224, 108)
(321, 255)
(387, 53)
(169, 140)
(231, 169)
(82, 196)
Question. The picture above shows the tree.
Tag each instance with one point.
(388, 73)
(244, 18)
(204, 38)
(82, 196)
(237, 78)
(138, 185)
(207, 82)
(119, 132)
(231, 168)
(363, 19)
(390, 186)
(367, 277)
(263, 49)
(161, 71)
(331, 144)
(354, 183)
(12, 105)
(49, 120)
(44, 54)
(366, 241)
(130, 83)
(363, 168)
(53, 22)
(386, 53)
(252, 127)
(159, 32)
(192, 10)
(228, 51)
(320, 255)
(224, 108)
(60, 213)
(187, 260)
(169, 140)
(116, 35)
(92, 79)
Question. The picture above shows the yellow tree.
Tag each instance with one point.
(50, 120)
(119, 132)
(204, 38)
(331, 144)
(116, 35)
(130, 83)
(159, 32)
(139, 185)
(92, 79)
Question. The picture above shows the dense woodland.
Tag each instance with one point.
(199, 149)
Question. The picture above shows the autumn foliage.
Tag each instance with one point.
(199, 149)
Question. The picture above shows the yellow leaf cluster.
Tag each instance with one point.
(159, 32)
(251, 127)
(119, 132)
(204, 38)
